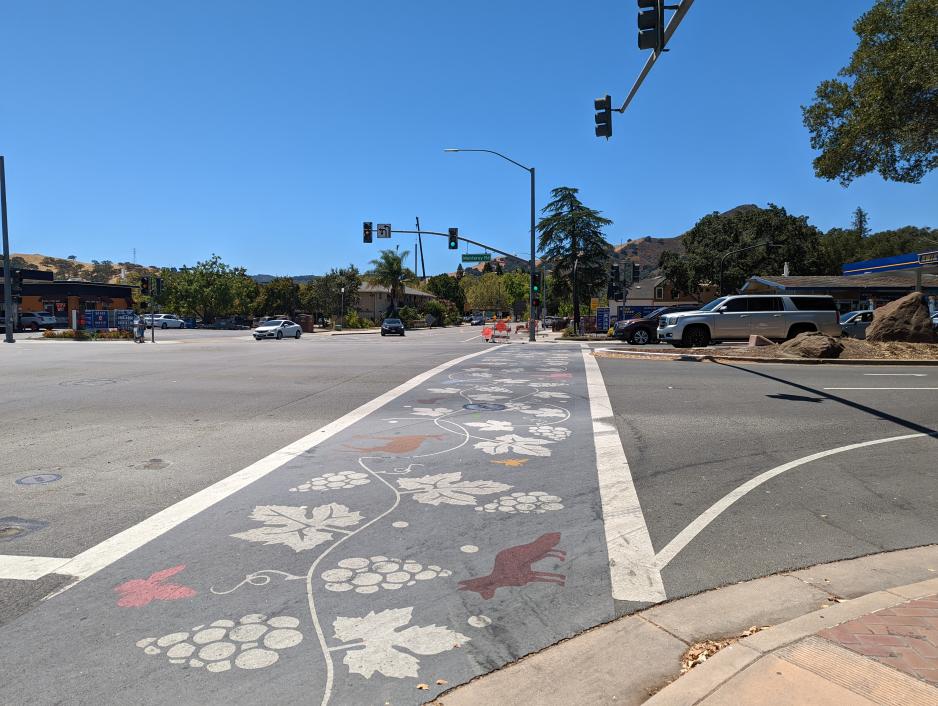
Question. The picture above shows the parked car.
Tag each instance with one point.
(190, 322)
(855, 323)
(277, 328)
(392, 326)
(644, 329)
(163, 321)
(35, 320)
(934, 320)
(477, 320)
(735, 318)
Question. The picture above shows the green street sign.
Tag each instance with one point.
(477, 257)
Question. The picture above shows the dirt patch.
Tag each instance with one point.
(853, 349)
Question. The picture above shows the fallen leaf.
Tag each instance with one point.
(423, 687)
(441, 682)
(512, 462)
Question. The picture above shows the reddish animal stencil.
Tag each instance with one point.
(137, 593)
(398, 444)
(513, 567)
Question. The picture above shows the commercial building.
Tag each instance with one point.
(67, 300)
(650, 293)
(374, 301)
(851, 292)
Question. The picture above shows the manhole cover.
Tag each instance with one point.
(39, 479)
(484, 407)
(15, 527)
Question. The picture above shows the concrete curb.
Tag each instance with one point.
(637, 657)
(703, 680)
(716, 358)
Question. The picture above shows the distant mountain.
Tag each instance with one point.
(299, 279)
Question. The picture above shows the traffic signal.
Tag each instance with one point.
(366, 232)
(651, 24)
(159, 286)
(536, 283)
(17, 283)
(636, 272)
(145, 286)
(454, 238)
(603, 108)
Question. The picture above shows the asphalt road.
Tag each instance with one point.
(434, 535)
(155, 424)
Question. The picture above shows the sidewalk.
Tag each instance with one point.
(862, 631)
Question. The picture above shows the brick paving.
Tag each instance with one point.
(904, 637)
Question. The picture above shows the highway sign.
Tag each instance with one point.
(384, 230)
(477, 257)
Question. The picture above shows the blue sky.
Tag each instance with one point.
(267, 132)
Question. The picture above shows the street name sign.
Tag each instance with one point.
(384, 230)
(477, 257)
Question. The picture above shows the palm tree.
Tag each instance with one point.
(388, 271)
(571, 235)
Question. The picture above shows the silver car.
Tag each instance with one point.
(278, 329)
(855, 323)
(736, 318)
(163, 321)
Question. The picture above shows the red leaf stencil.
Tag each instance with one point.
(137, 593)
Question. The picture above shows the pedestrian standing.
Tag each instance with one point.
(140, 330)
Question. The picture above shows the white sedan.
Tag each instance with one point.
(163, 321)
(277, 328)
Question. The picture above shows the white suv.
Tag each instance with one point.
(736, 318)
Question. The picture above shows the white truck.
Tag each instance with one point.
(736, 318)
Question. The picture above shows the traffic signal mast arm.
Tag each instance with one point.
(448, 235)
(680, 11)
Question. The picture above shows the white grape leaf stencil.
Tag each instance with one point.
(295, 528)
(380, 636)
(449, 488)
(515, 444)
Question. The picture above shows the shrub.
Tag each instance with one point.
(407, 314)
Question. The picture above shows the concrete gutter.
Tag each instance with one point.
(717, 358)
(638, 657)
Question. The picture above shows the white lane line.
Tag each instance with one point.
(687, 535)
(881, 388)
(897, 375)
(110, 550)
(478, 335)
(632, 569)
(28, 568)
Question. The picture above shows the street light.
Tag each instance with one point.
(531, 313)
(766, 244)
(342, 291)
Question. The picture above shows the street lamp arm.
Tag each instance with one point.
(498, 154)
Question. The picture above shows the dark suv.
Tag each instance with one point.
(644, 330)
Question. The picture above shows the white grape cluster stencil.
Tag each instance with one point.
(333, 481)
(368, 575)
(253, 642)
(536, 501)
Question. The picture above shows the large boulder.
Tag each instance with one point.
(905, 319)
(813, 345)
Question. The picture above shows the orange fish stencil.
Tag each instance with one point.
(397, 444)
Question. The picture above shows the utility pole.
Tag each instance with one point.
(7, 278)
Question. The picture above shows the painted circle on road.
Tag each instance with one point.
(39, 479)
(483, 407)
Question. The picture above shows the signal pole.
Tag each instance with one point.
(7, 279)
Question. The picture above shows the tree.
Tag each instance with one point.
(517, 285)
(884, 116)
(459, 271)
(488, 293)
(19, 263)
(279, 296)
(486, 267)
(498, 268)
(861, 223)
(388, 271)
(446, 287)
(570, 229)
(717, 234)
(323, 295)
(72, 257)
(208, 290)
(102, 271)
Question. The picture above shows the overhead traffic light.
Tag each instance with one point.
(366, 232)
(454, 238)
(651, 24)
(603, 108)
(158, 288)
(145, 286)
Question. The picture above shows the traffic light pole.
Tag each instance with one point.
(7, 279)
(459, 237)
